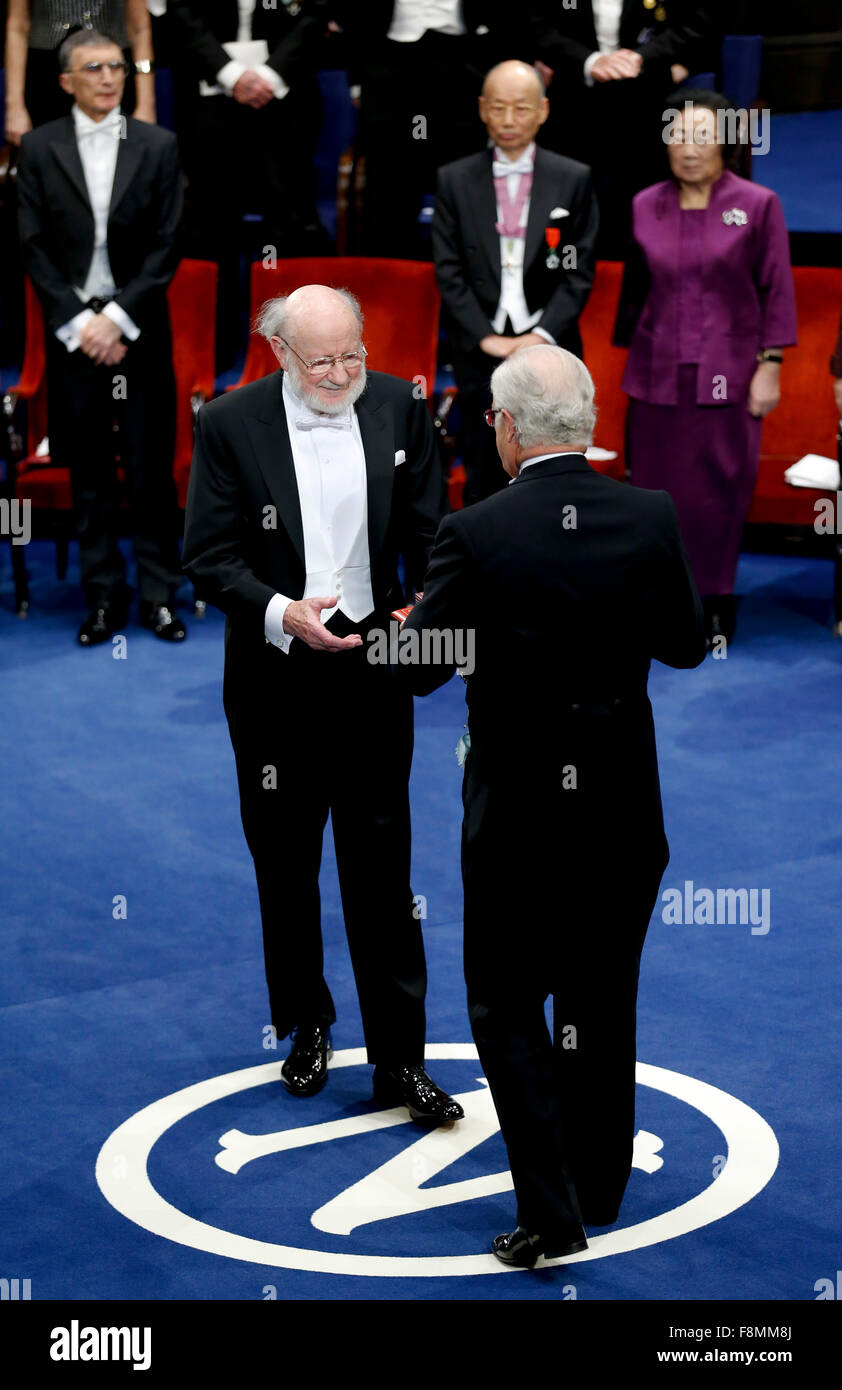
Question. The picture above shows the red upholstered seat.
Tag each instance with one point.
(399, 300)
(805, 421)
(606, 364)
(192, 301)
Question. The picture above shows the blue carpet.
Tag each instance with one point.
(804, 167)
(119, 788)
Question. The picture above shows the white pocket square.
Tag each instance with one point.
(400, 457)
(559, 212)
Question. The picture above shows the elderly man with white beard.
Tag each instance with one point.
(306, 487)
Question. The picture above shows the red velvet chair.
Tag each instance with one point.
(805, 421)
(192, 301)
(399, 301)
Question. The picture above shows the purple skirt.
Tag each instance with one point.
(705, 457)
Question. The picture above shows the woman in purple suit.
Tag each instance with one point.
(707, 307)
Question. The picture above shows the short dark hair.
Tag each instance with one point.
(727, 127)
(82, 38)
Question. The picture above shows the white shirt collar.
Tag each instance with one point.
(540, 458)
(528, 153)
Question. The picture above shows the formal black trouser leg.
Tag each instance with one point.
(338, 733)
(418, 111)
(516, 1053)
(594, 1054)
(147, 444)
(284, 826)
(484, 473)
(506, 974)
(538, 922)
(80, 419)
(372, 837)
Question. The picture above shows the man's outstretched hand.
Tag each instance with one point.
(302, 619)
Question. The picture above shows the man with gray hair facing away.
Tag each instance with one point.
(306, 486)
(571, 583)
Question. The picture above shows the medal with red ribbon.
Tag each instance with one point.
(552, 236)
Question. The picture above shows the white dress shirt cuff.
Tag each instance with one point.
(273, 622)
(69, 332)
(542, 333)
(589, 62)
(228, 76)
(275, 78)
(126, 325)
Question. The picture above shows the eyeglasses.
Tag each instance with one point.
(320, 366)
(488, 416)
(96, 68)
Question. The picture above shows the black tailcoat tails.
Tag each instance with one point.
(314, 732)
(570, 584)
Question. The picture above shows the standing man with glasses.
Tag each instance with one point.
(100, 199)
(514, 231)
(305, 489)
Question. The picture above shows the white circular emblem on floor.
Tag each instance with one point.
(392, 1190)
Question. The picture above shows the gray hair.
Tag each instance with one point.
(272, 320)
(546, 412)
(83, 38)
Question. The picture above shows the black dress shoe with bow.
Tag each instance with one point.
(411, 1086)
(101, 623)
(304, 1072)
(163, 621)
(520, 1249)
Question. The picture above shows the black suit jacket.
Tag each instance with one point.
(566, 618)
(466, 246)
(243, 465)
(57, 224)
(199, 30)
(564, 38)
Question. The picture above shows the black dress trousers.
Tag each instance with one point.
(85, 402)
(318, 734)
(557, 906)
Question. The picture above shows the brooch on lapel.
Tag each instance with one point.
(552, 236)
(734, 217)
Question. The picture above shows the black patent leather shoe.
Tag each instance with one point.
(100, 624)
(163, 621)
(411, 1086)
(304, 1072)
(521, 1250)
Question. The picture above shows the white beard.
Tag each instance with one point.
(318, 399)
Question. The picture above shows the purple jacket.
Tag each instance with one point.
(748, 297)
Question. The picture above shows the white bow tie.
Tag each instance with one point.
(501, 167)
(329, 422)
(109, 125)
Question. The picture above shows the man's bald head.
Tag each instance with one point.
(316, 323)
(549, 395)
(501, 77)
(513, 106)
(313, 309)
